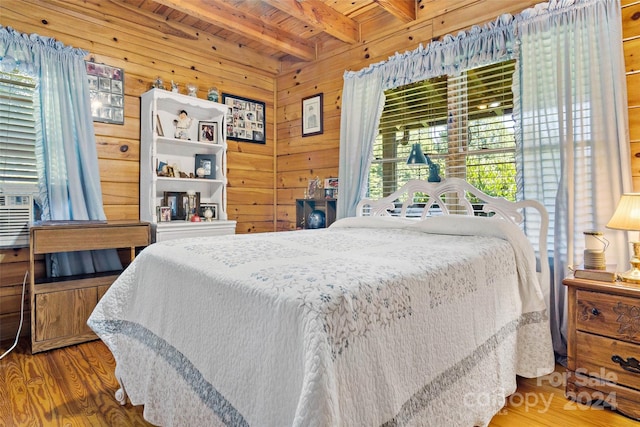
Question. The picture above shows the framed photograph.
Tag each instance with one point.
(164, 213)
(106, 90)
(214, 211)
(314, 189)
(173, 200)
(245, 119)
(159, 130)
(208, 132)
(208, 163)
(312, 115)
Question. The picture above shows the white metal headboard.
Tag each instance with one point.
(434, 192)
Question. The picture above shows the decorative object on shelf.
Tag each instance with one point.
(313, 188)
(174, 87)
(316, 219)
(212, 94)
(183, 123)
(192, 90)
(208, 163)
(627, 217)
(208, 132)
(159, 130)
(191, 209)
(595, 246)
(209, 211)
(164, 213)
(312, 115)
(106, 91)
(200, 172)
(157, 83)
(173, 200)
(331, 188)
(245, 119)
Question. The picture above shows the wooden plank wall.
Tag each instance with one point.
(111, 34)
(631, 46)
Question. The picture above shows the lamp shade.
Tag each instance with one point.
(416, 156)
(627, 214)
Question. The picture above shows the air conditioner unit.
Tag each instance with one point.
(15, 216)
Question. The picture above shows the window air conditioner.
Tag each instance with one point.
(15, 215)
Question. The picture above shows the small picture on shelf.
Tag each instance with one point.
(159, 130)
(173, 200)
(208, 132)
(205, 166)
(209, 211)
(164, 213)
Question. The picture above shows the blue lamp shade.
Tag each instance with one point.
(416, 157)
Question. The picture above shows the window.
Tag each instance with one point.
(17, 134)
(463, 124)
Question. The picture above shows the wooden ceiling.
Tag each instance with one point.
(294, 30)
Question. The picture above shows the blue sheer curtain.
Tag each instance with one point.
(571, 117)
(68, 174)
(570, 113)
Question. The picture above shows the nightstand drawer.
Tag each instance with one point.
(595, 356)
(612, 315)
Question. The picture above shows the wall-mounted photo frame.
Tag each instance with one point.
(106, 91)
(208, 132)
(206, 162)
(312, 115)
(245, 119)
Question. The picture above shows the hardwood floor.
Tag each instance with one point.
(74, 386)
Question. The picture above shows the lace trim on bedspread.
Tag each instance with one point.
(211, 397)
(423, 397)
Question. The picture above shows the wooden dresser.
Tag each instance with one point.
(604, 344)
(60, 307)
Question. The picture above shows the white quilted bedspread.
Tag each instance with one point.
(374, 321)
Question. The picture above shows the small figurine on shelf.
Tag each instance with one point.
(212, 95)
(183, 123)
(174, 87)
(192, 90)
(157, 83)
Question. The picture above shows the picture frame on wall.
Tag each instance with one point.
(245, 119)
(106, 91)
(208, 132)
(312, 116)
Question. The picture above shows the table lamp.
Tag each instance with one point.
(627, 217)
(417, 157)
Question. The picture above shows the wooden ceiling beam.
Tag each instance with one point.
(320, 17)
(220, 14)
(405, 10)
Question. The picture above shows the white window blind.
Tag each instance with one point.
(463, 123)
(17, 134)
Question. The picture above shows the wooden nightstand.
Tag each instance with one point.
(604, 344)
(61, 306)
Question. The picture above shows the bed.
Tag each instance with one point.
(382, 319)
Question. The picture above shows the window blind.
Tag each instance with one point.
(463, 123)
(17, 133)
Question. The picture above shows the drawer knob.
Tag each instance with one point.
(595, 311)
(631, 364)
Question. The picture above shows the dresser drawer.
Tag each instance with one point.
(594, 358)
(611, 315)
